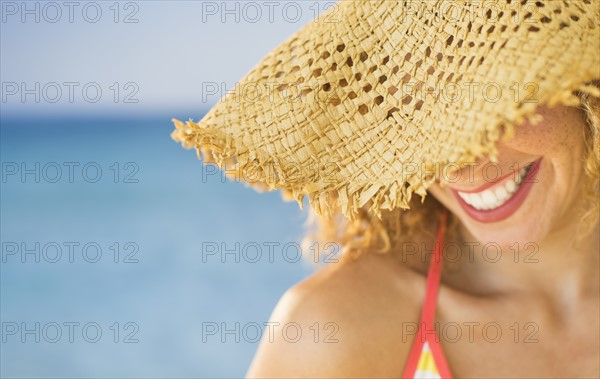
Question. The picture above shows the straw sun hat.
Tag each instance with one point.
(374, 99)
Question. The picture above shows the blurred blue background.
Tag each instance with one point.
(95, 177)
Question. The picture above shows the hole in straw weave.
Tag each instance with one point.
(341, 47)
(326, 87)
(419, 105)
(335, 101)
(343, 83)
(378, 100)
(317, 72)
(352, 95)
(382, 79)
(420, 85)
(395, 69)
(310, 61)
(325, 55)
(407, 99)
(349, 62)
(534, 29)
(367, 88)
(363, 56)
(545, 19)
(574, 18)
(334, 67)
(430, 70)
(358, 76)
(428, 51)
(363, 109)
(449, 40)
(563, 25)
(305, 92)
(392, 90)
(540, 4)
(372, 69)
(386, 60)
(391, 112)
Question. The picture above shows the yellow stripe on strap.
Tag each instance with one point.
(426, 368)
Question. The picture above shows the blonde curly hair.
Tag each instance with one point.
(368, 233)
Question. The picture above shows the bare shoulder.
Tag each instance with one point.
(343, 318)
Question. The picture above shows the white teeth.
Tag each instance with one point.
(488, 197)
(511, 186)
(501, 193)
(492, 198)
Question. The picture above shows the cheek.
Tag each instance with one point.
(444, 196)
(560, 139)
(561, 132)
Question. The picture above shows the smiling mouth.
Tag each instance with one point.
(497, 195)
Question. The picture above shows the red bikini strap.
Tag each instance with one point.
(433, 276)
(426, 326)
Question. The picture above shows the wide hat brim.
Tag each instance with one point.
(363, 104)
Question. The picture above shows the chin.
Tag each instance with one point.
(518, 232)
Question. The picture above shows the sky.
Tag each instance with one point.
(135, 57)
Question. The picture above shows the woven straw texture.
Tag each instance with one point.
(360, 105)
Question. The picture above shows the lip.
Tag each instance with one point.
(507, 209)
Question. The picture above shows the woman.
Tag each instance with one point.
(533, 312)
(496, 272)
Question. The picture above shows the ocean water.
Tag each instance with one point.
(123, 257)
